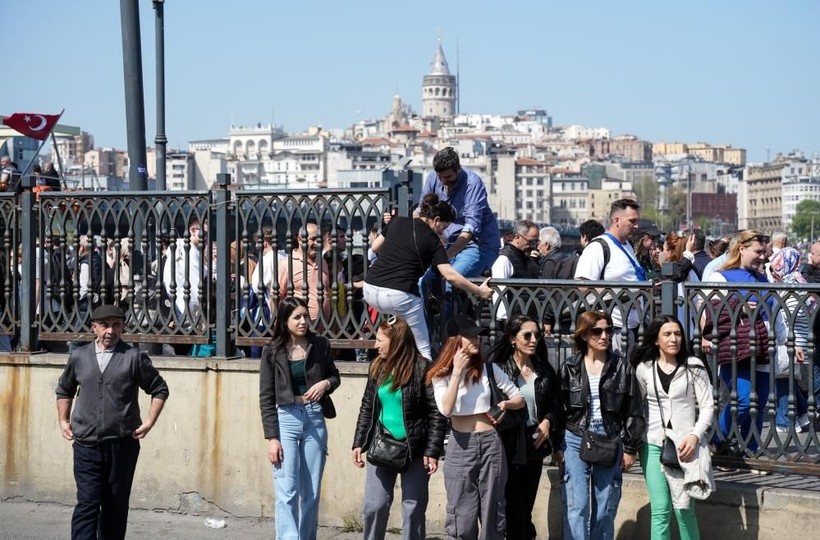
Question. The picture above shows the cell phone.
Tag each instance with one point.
(495, 414)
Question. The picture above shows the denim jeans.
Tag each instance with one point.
(781, 389)
(744, 404)
(298, 480)
(585, 517)
(409, 306)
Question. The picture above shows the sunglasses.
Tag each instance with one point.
(529, 335)
(762, 238)
(598, 331)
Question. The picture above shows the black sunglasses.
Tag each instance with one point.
(597, 331)
(529, 335)
(762, 238)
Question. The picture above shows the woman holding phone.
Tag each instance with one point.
(476, 469)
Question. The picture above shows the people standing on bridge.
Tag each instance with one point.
(476, 471)
(296, 377)
(106, 425)
(406, 248)
(522, 354)
(599, 403)
(398, 404)
(676, 395)
(308, 277)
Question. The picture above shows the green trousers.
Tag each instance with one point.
(660, 500)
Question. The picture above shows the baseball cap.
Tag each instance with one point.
(647, 228)
(462, 325)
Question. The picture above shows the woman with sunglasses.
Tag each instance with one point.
(476, 470)
(296, 377)
(406, 248)
(598, 394)
(522, 355)
(733, 320)
(397, 399)
(676, 396)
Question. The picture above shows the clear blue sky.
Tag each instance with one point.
(736, 72)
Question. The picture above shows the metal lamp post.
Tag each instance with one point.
(160, 141)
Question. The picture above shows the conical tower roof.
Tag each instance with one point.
(439, 64)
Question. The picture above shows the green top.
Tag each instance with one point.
(297, 377)
(392, 414)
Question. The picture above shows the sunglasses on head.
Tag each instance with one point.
(762, 238)
(597, 331)
(529, 335)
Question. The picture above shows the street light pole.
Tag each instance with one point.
(160, 141)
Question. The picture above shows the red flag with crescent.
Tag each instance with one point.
(36, 126)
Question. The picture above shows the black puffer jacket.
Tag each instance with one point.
(621, 406)
(423, 422)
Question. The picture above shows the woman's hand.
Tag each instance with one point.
(686, 449)
(430, 465)
(706, 345)
(543, 432)
(460, 361)
(317, 391)
(357, 458)
(275, 455)
(627, 461)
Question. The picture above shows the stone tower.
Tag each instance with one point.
(439, 88)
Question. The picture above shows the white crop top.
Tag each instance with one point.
(475, 397)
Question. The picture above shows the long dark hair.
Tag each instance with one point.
(281, 334)
(648, 350)
(400, 360)
(502, 350)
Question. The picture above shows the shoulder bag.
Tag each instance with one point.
(596, 448)
(669, 453)
(386, 451)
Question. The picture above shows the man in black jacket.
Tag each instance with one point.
(514, 262)
(811, 271)
(106, 425)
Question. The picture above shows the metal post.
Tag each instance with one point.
(28, 297)
(160, 141)
(221, 197)
(134, 99)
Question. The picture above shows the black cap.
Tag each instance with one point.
(647, 228)
(462, 325)
(106, 312)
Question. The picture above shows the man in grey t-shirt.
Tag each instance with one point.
(105, 424)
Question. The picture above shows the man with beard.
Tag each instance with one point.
(307, 267)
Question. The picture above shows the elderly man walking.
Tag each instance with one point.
(106, 424)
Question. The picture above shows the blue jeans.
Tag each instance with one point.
(298, 480)
(744, 404)
(781, 389)
(585, 518)
(409, 306)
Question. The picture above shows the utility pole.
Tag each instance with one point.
(134, 99)
(160, 141)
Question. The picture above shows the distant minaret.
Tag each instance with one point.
(439, 88)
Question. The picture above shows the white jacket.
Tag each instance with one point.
(695, 479)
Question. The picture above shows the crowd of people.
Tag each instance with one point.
(495, 415)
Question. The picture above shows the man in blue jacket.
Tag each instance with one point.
(105, 424)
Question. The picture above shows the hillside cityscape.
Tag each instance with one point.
(533, 168)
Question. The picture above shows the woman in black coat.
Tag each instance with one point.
(398, 402)
(522, 354)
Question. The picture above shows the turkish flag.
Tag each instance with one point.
(36, 126)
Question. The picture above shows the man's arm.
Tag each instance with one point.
(157, 403)
(63, 417)
(475, 203)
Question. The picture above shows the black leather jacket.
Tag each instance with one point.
(621, 406)
(423, 422)
(275, 387)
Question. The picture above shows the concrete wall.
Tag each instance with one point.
(207, 454)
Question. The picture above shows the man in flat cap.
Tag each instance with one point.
(106, 425)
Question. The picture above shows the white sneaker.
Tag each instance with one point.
(803, 423)
(781, 430)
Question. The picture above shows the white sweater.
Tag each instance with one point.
(690, 394)
(474, 398)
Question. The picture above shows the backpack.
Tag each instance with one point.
(566, 268)
(605, 247)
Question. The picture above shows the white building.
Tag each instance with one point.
(575, 132)
(801, 181)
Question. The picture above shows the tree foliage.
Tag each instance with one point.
(802, 222)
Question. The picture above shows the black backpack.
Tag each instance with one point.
(605, 247)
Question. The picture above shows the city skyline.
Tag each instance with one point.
(728, 74)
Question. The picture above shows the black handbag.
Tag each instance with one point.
(509, 419)
(669, 452)
(387, 452)
(596, 448)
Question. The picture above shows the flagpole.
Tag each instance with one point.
(42, 143)
(59, 159)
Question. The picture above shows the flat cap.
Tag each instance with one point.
(107, 312)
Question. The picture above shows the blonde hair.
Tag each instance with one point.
(742, 238)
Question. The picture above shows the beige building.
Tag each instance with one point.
(107, 162)
(760, 198)
(532, 191)
(666, 149)
(735, 156)
(439, 88)
(630, 148)
(569, 199)
(600, 200)
(71, 148)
